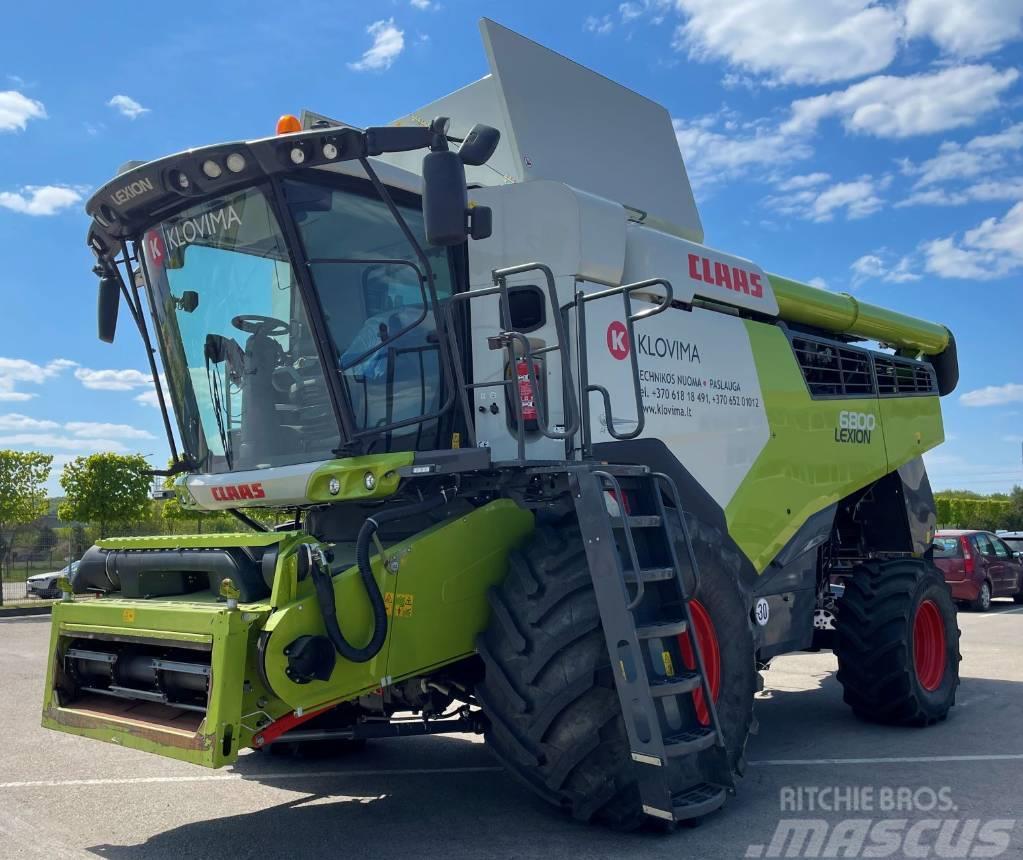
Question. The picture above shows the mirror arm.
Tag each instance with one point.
(150, 351)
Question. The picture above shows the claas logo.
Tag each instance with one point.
(238, 492)
(723, 275)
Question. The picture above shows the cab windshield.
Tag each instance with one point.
(242, 363)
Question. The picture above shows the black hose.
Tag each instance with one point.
(323, 582)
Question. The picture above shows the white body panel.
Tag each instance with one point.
(699, 385)
(559, 120)
(278, 487)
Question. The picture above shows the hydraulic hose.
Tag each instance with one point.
(323, 582)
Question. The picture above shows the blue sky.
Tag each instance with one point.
(872, 147)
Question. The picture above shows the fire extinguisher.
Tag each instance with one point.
(529, 400)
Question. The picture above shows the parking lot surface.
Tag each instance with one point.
(812, 761)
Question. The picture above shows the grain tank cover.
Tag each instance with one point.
(561, 121)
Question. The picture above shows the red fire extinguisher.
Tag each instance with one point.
(528, 398)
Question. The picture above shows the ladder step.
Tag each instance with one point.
(636, 522)
(651, 574)
(696, 801)
(690, 741)
(675, 685)
(662, 629)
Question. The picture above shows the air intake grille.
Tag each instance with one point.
(834, 370)
(902, 376)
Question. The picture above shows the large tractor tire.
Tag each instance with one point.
(549, 694)
(897, 643)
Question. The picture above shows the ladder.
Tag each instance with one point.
(644, 607)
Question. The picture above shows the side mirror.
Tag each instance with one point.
(107, 306)
(445, 201)
(479, 145)
(188, 302)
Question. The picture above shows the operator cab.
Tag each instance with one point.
(296, 298)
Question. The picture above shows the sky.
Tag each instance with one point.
(868, 146)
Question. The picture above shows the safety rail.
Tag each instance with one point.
(625, 291)
(507, 340)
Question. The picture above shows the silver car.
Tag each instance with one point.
(45, 584)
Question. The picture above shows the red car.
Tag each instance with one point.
(978, 566)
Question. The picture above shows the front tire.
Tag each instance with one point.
(897, 643)
(549, 694)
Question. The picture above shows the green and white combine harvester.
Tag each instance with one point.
(553, 469)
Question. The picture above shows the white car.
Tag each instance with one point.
(45, 584)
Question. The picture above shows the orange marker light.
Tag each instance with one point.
(288, 124)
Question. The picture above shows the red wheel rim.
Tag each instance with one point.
(707, 638)
(929, 652)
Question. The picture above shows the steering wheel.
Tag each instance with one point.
(257, 324)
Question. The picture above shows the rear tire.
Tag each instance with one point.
(983, 601)
(897, 643)
(549, 694)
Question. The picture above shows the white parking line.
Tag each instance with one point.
(925, 759)
(234, 777)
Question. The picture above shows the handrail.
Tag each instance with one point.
(508, 339)
(625, 291)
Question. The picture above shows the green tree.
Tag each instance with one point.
(23, 476)
(105, 489)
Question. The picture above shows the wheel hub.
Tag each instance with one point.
(930, 655)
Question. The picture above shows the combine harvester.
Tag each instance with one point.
(555, 470)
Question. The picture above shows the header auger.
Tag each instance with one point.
(556, 470)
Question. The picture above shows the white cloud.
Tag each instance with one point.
(113, 380)
(423, 5)
(875, 267)
(792, 41)
(15, 422)
(797, 183)
(716, 148)
(856, 199)
(980, 159)
(600, 26)
(965, 29)
(18, 370)
(388, 43)
(17, 109)
(630, 11)
(993, 249)
(40, 199)
(148, 398)
(993, 395)
(58, 442)
(819, 283)
(98, 429)
(127, 106)
(22, 430)
(896, 107)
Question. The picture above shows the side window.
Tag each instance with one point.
(984, 545)
(1001, 550)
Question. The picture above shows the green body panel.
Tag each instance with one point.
(839, 312)
(803, 468)
(435, 586)
(207, 541)
(351, 474)
(437, 602)
(228, 637)
(441, 603)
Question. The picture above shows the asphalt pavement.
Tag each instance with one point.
(819, 782)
